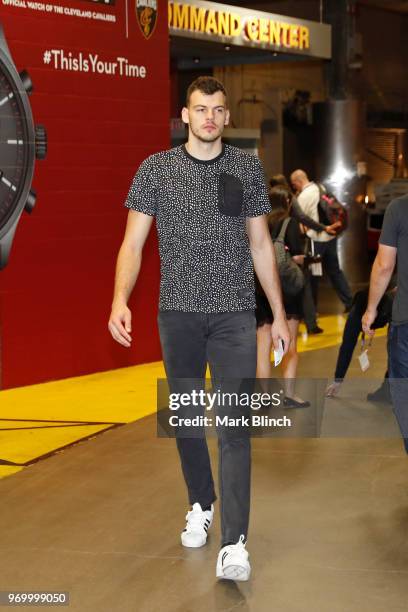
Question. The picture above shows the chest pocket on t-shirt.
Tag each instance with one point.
(230, 195)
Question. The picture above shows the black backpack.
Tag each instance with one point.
(331, 210)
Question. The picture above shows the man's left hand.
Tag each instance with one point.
(280, 331)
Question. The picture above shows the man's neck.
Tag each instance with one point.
(203, 150)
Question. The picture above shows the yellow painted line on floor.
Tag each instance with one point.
(8, 470)
(116, 396)
(9, 425)
(22, 446)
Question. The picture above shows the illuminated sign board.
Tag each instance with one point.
(239, 26)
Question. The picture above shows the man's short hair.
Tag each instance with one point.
(208, 85)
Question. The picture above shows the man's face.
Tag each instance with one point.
(206, 115)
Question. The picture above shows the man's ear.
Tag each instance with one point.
(227, 117)
(184, 115)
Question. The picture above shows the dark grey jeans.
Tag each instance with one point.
(227, 342)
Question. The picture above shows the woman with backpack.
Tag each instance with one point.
(308, 305)
(286, 229)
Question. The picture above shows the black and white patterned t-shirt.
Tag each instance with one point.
(200, 209)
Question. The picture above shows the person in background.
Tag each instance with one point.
(351, 332)
(280, 199)
(308, 195)
(393, 243)
(308, 305)
(296, 210)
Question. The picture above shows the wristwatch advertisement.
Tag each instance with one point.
(21, 142)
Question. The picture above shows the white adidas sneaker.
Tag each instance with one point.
(198, 523)
(233, 563)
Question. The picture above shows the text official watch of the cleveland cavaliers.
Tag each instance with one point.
(20, 143)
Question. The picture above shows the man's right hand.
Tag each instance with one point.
(120, 324)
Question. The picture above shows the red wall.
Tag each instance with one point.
(56, 291)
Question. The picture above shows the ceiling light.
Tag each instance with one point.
(340, 175)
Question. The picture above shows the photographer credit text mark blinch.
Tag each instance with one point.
(225, 421)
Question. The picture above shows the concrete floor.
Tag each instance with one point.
(328, 526)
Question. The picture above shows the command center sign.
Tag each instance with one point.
(243, 27)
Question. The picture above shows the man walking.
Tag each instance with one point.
(324, 244)
(393, 243)
(210, 202)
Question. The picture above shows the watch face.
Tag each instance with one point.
(16, 142)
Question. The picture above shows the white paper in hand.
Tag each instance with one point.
(316, 269)
(364, 361)
(278, 355)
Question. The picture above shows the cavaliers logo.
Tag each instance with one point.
(146, 14)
